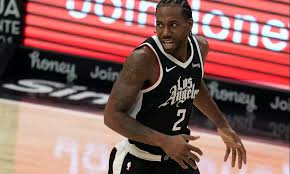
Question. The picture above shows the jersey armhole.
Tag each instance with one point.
(199, 55)
(154, 85)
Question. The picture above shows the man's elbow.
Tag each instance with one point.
(107, 118)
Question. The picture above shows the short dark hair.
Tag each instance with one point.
(186, 9)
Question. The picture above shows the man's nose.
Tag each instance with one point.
(166, 32)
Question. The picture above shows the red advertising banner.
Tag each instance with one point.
(249, 41)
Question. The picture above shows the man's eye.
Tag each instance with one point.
(174, 25)
(159, 25)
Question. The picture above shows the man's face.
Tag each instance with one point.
(172, 28)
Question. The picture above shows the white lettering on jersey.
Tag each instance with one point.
(183, 90)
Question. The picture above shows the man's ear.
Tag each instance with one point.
(190, 23)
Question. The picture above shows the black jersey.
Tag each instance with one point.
(167, 105)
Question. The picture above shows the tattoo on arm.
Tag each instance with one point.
(129, 84)
(123, 96)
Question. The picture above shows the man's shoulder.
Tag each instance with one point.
(144, 52)
(141, 56)
(201, 41)
(204, 46)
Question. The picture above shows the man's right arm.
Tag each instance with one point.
(135, 72)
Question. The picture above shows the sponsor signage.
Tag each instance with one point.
(70, 70)
(11, 15)
(56, 91)
(248, 110)
(254, 111)
(248, 40)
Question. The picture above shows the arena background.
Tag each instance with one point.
(67, 54)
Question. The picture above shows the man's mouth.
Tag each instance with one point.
(168, 44)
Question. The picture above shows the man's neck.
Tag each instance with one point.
(184, 53)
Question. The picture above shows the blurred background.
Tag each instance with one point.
(60, 58)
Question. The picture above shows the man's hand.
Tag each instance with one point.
(234, 145)
(181, 151)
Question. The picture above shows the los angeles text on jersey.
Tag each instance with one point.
(183, 90)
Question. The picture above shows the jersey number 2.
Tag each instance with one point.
(180, 113)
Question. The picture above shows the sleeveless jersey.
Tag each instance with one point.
(167, 105)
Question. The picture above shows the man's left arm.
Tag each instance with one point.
(205, 103)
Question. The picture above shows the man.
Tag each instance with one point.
(151, 101)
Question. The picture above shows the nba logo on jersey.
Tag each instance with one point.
(128, 166)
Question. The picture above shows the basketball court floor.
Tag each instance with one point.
(37, 139)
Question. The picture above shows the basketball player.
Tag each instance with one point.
(151, 102)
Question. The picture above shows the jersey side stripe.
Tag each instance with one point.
(136, 107)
